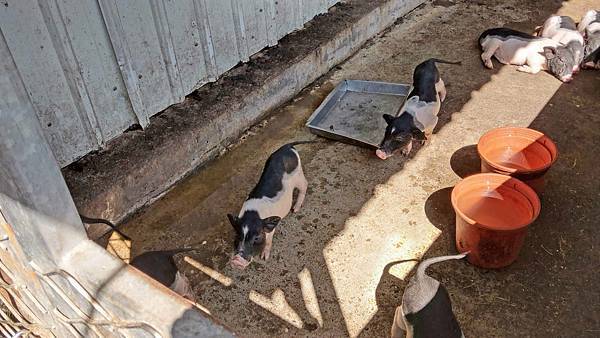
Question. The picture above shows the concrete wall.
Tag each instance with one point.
(93, 68)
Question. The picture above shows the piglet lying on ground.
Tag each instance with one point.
(418, 115)
(161, 266)
(269, 202)
(426, 309)
(589, 26)
(530, 53)
(562, 29)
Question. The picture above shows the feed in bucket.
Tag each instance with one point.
(523, 153)
(492, 215)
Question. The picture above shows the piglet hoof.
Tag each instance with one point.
(266, 253)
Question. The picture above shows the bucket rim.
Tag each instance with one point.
(540, 138)
(529, 193)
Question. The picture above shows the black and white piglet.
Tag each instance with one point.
(418, 115)
(589, 26)
(531, 53)
(426, 309)
(269, 202)
(562, 29)
(160, 266)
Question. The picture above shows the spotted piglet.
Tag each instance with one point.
(269, 202)
(418, 116)
(563, 30)
(531, 53)
(426, 309)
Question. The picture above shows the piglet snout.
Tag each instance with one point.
(381, 154)
(566, 79)
(239, 262)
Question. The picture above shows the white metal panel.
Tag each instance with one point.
(188, 39)
(50, 82)
(92, 68)
(223, 33)
(309, 8)
(132, 26)
(255, 17)
(98, 66)
(286, 13)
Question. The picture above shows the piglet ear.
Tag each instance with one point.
(270, 223)
(388, 118)
(235, 222)
(549, 52)
(418, 134)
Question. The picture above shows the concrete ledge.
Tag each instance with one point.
(140, 166)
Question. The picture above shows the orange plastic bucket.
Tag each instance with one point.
(493, 212)
(523, 153)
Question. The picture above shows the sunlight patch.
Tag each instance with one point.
(309, 294)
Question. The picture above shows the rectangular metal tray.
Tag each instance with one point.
(352, 112)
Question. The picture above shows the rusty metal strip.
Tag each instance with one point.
(82, 291)
(85, 319)
(14, 311)
(56, 288)
(120, 325)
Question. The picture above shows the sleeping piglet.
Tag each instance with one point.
(269, 202)
(426, 309)
(563, 30)
(531, 53)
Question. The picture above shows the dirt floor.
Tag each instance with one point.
(333, 270)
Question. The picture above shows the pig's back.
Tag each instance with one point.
(283, 161)
(504, 34)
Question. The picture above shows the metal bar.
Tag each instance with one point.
(83, 292)
(4, 332)
(33, 189)
(86, 295)
(30, 173)
(11, 308)
(7, 324)
(121, 325)
(21, 305)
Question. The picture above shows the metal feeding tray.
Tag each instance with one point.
(352, 112)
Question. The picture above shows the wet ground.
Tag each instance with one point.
(334, 268)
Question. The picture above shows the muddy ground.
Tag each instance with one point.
(334, 269)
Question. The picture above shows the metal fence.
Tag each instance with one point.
(93, 68)
(54, 281)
